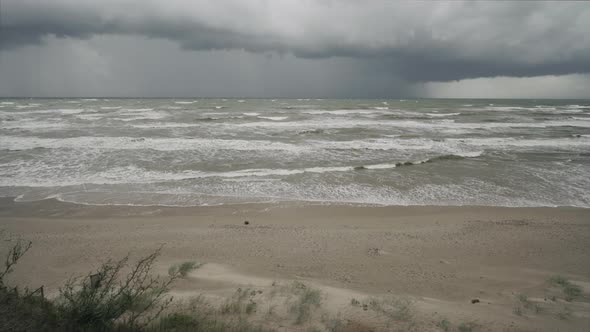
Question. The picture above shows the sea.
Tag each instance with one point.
(198, 151)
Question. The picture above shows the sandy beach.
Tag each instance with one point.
(438, 259)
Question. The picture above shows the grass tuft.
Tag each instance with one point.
(235, 305)
(251, 308)
(397, 309)
(307, 299)
(570, 290)
(524, 300)
(183, 269)
(178, 321)
(334, 324)
(565, 313)
(558, 280)
(444, 325)
(467, 327)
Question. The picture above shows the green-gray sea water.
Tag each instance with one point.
(186, 152)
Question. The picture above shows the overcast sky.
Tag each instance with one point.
(294, 48)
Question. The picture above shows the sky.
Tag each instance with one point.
(295, 48)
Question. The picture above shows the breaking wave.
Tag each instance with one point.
(134, 174)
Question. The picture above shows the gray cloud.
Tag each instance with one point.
(413, 41)
(142, 67)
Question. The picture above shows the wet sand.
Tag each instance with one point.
(439, 258)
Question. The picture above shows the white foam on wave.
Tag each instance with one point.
(465, 147)
(472, 154)
(166, 125)
(137, 109)
(457, 146)
(540, 108)
(442, 114)
(507, 108)
(466, 191)
(348, 112)
(556, 110)
(216, 113)
(409, 145)
(544, 108)
(381, 166)
(142, 115)
(110, 107)
(274, 118)
(583, 123)
(42, 175)
(497, 142)
(319, 169)
(7, 103)
(61, 111)
(133, 175)
(247, 113)
(174, 144)
(91, 116)
(335, 123)
(131, 143)
(427, 125)
(29, 124)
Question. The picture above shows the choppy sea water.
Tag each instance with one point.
(187, 152)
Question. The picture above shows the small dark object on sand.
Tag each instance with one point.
(374, 252)
(475, 301)
(246, 222)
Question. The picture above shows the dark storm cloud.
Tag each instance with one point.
(417, 41)
(429, 69)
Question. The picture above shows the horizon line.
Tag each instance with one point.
(316, 98)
